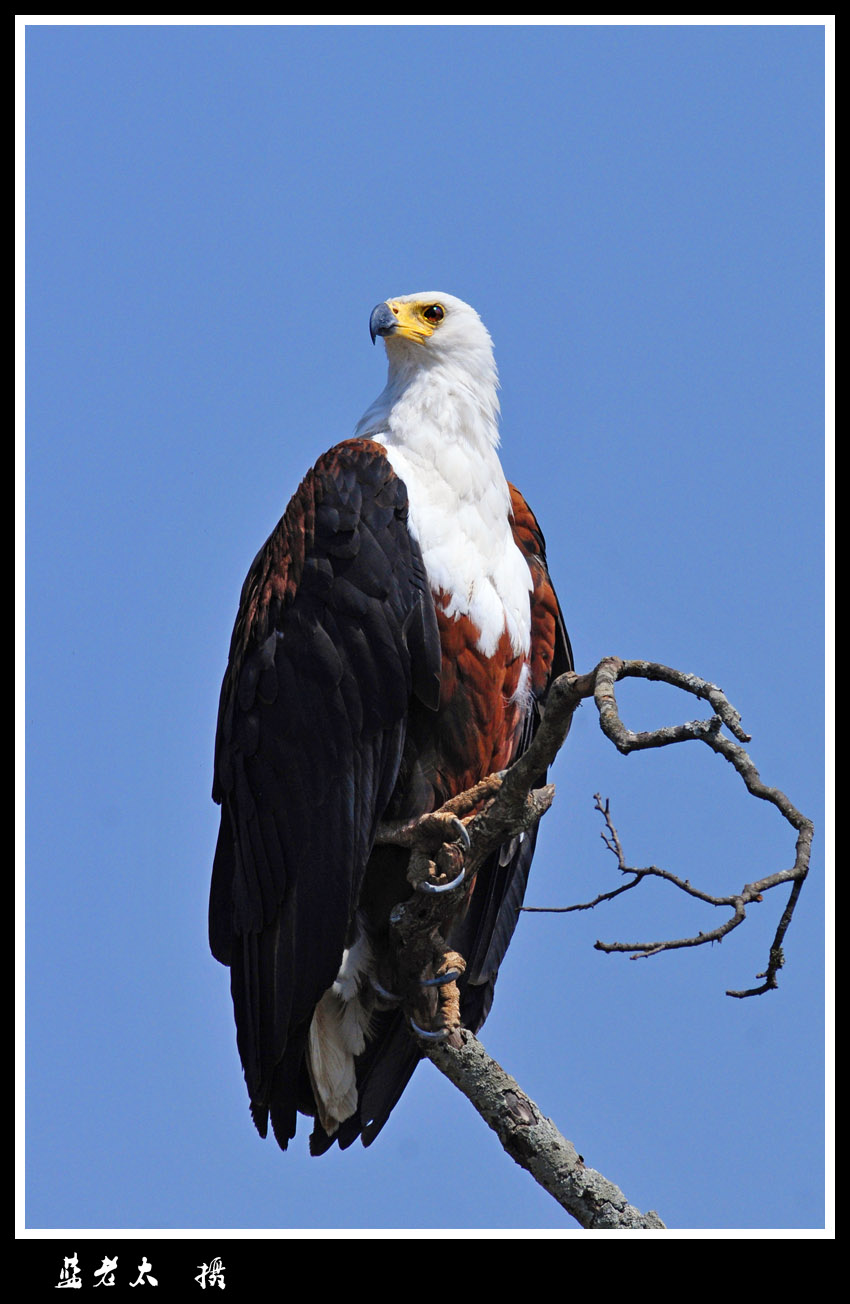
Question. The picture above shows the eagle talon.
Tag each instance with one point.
(426, 886)
(440, 981)
(440, 1035)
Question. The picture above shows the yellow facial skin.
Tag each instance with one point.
(411, 321)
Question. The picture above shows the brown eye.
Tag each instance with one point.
(434, 313)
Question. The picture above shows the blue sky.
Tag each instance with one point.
(638, 215)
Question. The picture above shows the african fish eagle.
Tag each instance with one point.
(394, 643)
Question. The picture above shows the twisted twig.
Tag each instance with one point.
(600, 684)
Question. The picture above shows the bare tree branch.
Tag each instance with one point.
(448, 848)
(533, 1141)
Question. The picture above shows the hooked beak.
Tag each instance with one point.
(382, 322)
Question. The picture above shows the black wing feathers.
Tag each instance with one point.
(336, 629)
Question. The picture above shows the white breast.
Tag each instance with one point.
(460, 517)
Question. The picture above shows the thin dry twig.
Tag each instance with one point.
(608, 672)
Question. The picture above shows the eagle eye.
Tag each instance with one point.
(434, 313)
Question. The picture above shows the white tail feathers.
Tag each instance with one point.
(338, 1033)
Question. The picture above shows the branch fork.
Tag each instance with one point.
(447, 849)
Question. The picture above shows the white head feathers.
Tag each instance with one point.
(438, 420)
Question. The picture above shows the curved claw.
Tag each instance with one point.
(462, 832)
(440, 981)
(383, 993)
(425, 886)
(429, 1036)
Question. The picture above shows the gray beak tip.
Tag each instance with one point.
(382, 321)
